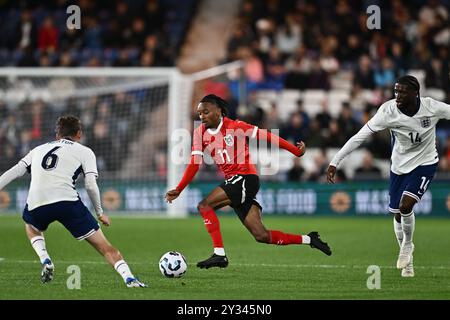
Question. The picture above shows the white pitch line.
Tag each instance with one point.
(1, 259)
(251, 265)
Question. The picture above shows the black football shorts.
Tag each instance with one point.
(242, 190)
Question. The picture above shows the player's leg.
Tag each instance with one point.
(398, 230)
(215, 200)
(37, 241)
(79, 221)
(396, 186)
(408, 220)
(253, 222)
(35, 222)
(398, 183)
(114, 258)
(417, 183)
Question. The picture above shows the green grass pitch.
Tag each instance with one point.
(256, 271)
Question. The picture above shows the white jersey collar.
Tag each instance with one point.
(215, 131)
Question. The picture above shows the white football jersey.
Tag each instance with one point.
(54, 168)
(413, 138)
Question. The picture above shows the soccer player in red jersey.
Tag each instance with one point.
(226, 141)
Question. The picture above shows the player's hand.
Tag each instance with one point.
(301, 145)
(331, 171)
(105, 220)
(172, 195)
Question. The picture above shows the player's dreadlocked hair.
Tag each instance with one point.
(409, 81)
(218, 101)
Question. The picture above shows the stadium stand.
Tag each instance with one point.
(305, 63)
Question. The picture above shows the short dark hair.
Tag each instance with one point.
(218, 101)
(409, 81)
(68, 126)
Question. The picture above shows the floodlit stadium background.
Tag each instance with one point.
(315, 70)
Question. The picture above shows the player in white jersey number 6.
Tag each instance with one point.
(412, 121)
(54, 168)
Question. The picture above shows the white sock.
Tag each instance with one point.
(123, 269)
(219, 251)
(408, 224)
(38, 244)
(306, 240)
(398, 232)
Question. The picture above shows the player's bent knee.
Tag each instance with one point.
(405, 208)
(262, 237)
(203, 205)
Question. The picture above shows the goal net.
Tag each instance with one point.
(138, 122)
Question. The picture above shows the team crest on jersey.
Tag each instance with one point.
(425, 122)
(228, 140)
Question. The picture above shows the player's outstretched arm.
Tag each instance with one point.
(352, 144)
(298, 149)
(90, 183)
(15, 172)
(189, 174)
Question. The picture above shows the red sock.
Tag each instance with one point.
(282, 239)
(212, 224)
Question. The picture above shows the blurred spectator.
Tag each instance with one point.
(399, 59)
(437, 74)
(320, 166)
(254, 70)
(295, 130)
(26, 32)
(275, 71)
(296, 173)
(289, 35)
(101, 143)
(301, 110)
(333, 136)
(35, 115)
(315, 135)
(347, 124)
(265, 34)
(385, 75)
(368, 170)
(48, 35)
(318, 78)
(272, 119)
(298, 67)
(324, 117)
(321, 162)
(364, 75)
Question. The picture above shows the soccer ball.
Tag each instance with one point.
(172, 264)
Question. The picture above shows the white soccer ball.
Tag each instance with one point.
(173, 264)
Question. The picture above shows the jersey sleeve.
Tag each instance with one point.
(249, 129)
(27, 160)
(380, 120)
(89, 163)
(442, 109)
(197, 145)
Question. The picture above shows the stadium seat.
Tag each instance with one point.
(434, 93)
(335, 99)
(312, 100)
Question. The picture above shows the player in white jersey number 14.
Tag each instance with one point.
(412, 121)
(54, 168)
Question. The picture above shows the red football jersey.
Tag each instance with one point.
(227, 145)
